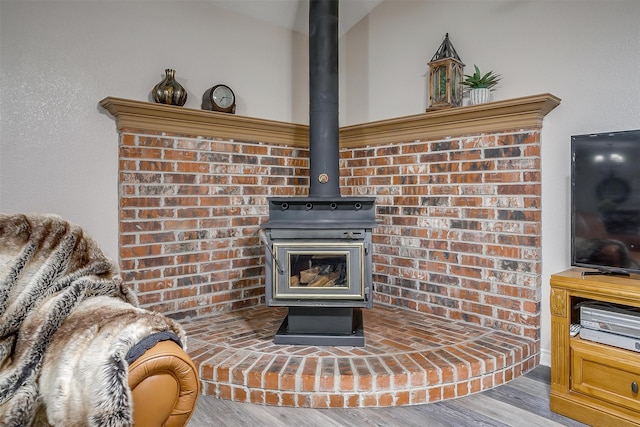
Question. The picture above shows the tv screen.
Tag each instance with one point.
(605, 201)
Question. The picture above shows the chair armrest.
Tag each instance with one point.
(164, 386)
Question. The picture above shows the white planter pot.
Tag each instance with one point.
(479, 96)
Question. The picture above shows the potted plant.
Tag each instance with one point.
(480, 85)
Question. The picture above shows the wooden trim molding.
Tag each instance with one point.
(146, 116)
(518, 113)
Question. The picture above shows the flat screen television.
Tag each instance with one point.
(605, 201)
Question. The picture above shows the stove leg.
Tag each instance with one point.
(329, 326)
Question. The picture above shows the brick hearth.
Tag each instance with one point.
(457, 246)
(409, 358)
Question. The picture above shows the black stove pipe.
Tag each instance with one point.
(324, 146)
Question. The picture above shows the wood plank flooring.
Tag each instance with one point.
(521, 402)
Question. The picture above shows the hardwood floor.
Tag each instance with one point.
(521, 402)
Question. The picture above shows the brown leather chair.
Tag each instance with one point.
(164, 386)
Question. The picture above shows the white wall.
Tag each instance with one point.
(585, 52)
(58, 149)
(58, 59)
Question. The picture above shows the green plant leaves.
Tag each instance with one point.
(477, 80)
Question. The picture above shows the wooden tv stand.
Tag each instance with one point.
(591, 382)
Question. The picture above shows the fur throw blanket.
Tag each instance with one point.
(66, 325)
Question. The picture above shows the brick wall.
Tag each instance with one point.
(459, 232)
(190, 209)
(460, 226)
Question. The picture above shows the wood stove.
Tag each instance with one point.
(318, 248)
(319, 264)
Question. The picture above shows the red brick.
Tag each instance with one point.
(224, 392)
(369, 400)
(257, 397)
(435, 394)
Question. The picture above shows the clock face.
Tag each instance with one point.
(223, 96)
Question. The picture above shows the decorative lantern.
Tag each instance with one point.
(445, 77)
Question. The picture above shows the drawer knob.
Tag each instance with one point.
(634, 387)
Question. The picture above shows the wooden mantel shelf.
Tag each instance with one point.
(518, 113)
(147, 116)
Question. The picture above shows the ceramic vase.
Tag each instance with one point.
(479, 96)
(169, 91)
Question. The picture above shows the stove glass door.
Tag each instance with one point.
(318, 270)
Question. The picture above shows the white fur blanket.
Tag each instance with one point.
(66, 325)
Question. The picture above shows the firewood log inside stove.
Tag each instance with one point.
(294, 281)
(307, 276)
(325, 281)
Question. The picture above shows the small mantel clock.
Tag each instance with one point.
(445, 77)
(219, 98)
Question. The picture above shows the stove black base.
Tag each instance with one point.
(354, 338)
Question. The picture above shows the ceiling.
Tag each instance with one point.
(294, 14)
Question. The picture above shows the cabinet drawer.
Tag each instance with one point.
(605, 373)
